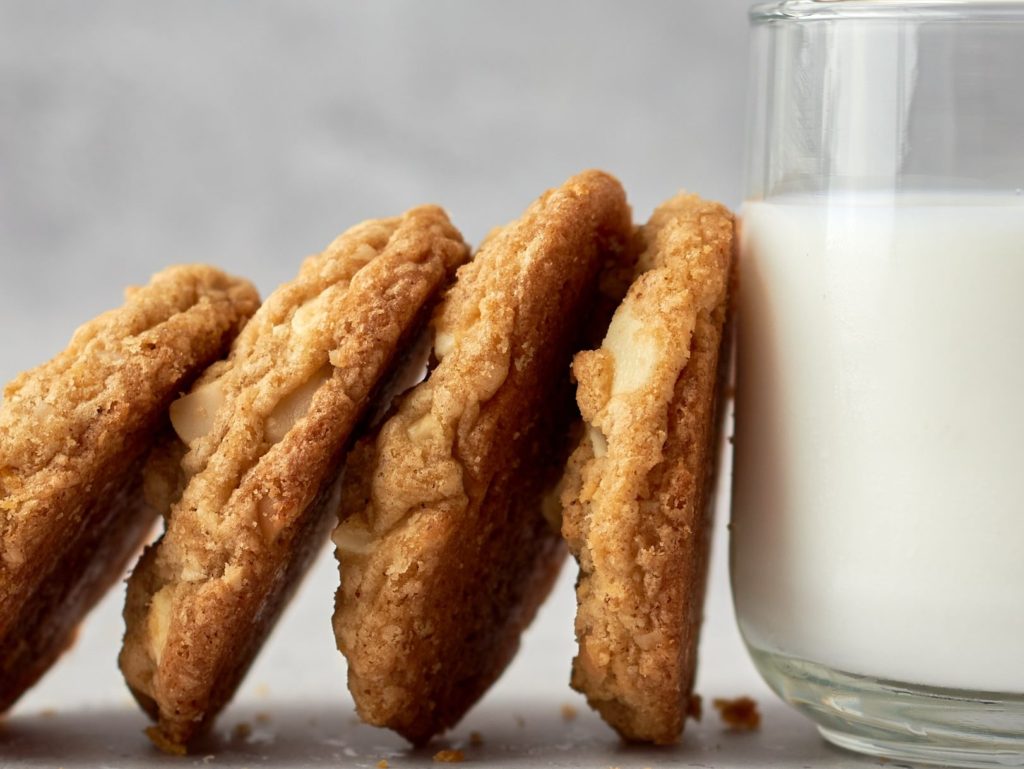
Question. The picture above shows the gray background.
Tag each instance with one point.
(135, 135)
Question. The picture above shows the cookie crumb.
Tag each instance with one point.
(383, 764)
(262, 690)
(48, 712)
(241, 731)
(164, 744)
(739, 714)
(264, 718)
(449, 756)
(695, 707)
(476, 739)
(569, 712)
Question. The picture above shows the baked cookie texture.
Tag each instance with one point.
(73, 434)
(445, 552)
(637, 493)
(260, 439)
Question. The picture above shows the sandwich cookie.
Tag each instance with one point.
(445, 551)
(637, 493)
(73, 435)
(260, 439)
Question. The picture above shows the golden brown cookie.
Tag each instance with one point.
(444, 551)
(73, 433)
(637, 493)
(260, 440)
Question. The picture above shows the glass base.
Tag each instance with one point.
(900, 721)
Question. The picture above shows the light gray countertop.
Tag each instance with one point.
(300, 714)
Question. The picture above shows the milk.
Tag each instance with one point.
(878, 500)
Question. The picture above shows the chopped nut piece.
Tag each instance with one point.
(159, 621)
(294, 406)
(633, 351)
(351, 538)
(192, 415)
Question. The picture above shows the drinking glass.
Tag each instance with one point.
(877, 535)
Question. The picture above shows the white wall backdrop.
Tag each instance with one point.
(133, 135)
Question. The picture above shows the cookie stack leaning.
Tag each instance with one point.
(638, 490)
(460, 496)
(246, 483)
(73, 434)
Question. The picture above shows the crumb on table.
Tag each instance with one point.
(739, 714)
(383, 764)
(241, 731)
(568, 712)
(449, 756)
(164, 744)
(476, 739)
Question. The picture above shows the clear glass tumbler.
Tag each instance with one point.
(877, 545)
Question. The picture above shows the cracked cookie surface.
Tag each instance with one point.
(73, 434)
(444, 550)
(260, 439)
(638, 488)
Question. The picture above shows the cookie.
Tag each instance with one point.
(73, 434)
(637, 494)
(260, 439)
(445, 552)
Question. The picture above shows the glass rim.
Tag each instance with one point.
(907, 10)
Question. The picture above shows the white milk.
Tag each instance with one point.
(878, 513)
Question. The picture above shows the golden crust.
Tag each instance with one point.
(266, 431)
(637, 490)
(74, 432)
(444, 552)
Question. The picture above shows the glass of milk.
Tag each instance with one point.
(877, 537)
